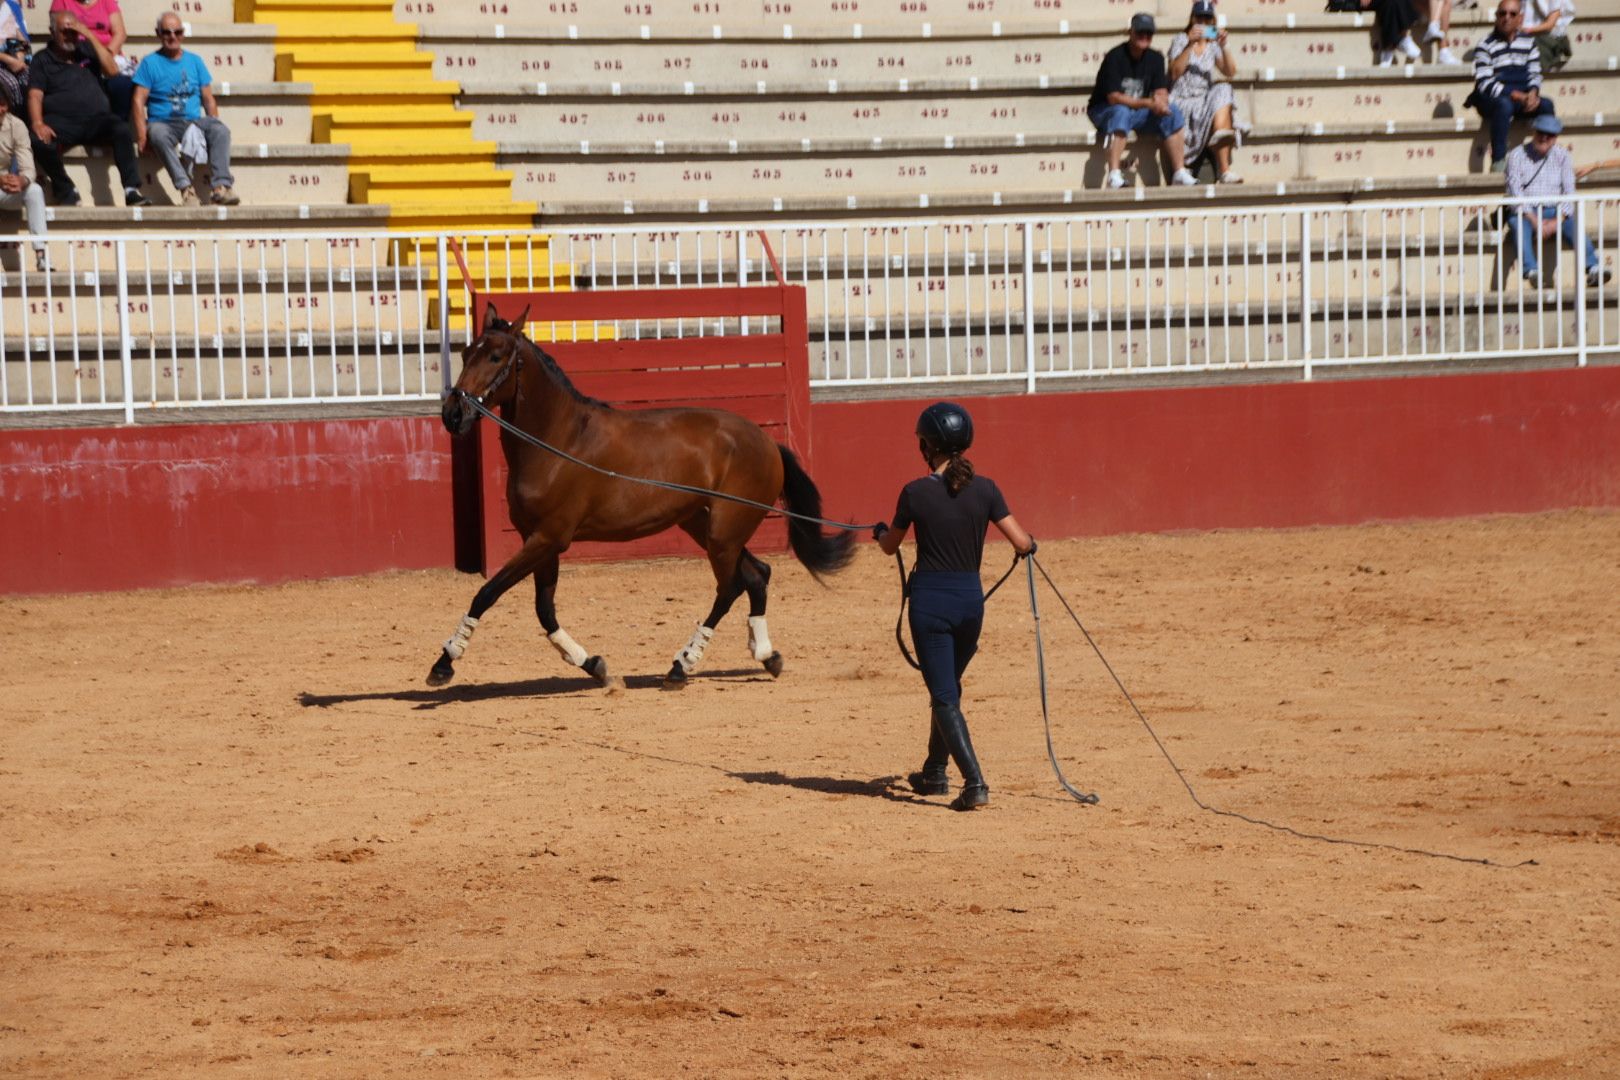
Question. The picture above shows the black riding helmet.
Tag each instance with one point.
(947, 426)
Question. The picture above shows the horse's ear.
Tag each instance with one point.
(492, 318)
(522, 320)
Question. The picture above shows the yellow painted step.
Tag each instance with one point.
(368, 189)
(293, 68)
(319, 30)
(389, 117)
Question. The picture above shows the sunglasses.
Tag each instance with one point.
(1508, 14)
(171, 33)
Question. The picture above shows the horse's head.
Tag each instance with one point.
(489, 371)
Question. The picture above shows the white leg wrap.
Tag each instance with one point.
(570, 649)
(457, 642)
(690, 656)
(759, 639)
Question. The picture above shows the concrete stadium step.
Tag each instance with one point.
(222, 303)
(811, 63)
(273, 174)
(270, 112)
(237, 368)
(998, 353)
(763, 173)
(567, 18)
(829, 120)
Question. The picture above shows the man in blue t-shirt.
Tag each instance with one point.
(172, 95)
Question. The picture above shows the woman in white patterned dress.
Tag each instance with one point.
(1196, 54)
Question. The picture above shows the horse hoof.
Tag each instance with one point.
(773, 664)
(442, 672)
(596, 668)
(676, 679)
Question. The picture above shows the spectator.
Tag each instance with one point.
(1196, 54)
(172, 96)
(14, 53)
(1548, 22)
(18, 187)
(1507, 79)
(1395, 19)
(1133, 94)
(67, 107)
(104, 22)
(1542, 167)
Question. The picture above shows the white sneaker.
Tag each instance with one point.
(1230, 177)
(1386, 57)
(1221, 135)
(1184, 178)
(1409, 48)
(1446, 56)
(1116, 179)
(1434, 33)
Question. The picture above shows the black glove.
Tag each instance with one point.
(879, 529)
(1030, 553)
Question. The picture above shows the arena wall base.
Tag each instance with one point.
(159, 505)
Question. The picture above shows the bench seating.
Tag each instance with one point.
(523, 57)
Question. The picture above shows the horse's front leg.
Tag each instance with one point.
(534, 551)
(545, 608)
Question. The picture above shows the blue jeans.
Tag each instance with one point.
(1118, 119)
(1498, 112)
(947, 613)
(1527, 238)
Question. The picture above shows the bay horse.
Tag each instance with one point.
(553, 502)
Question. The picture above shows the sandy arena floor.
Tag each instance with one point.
(240, 837)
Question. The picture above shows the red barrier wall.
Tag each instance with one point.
(1264, 456)
(119, 508)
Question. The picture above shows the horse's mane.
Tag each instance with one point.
(547, 361)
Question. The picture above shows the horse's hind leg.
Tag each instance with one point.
(756, 578)
(545, 608)
(518, 567)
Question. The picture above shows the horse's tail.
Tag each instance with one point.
(821, 553)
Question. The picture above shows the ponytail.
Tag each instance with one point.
(958, 473)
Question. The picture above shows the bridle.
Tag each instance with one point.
(512, 366)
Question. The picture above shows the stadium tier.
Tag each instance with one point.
(356, 118)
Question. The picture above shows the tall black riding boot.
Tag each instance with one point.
(952, 727)
(931, 779)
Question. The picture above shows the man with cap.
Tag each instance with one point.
(1133, 94)
(1507, 78)
(1543, 168)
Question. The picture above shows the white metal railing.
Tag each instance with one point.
(138, 321)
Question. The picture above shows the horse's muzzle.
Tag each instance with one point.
(457, 415)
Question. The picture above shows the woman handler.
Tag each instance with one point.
(951, 507)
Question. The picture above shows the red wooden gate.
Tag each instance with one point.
(763, 376)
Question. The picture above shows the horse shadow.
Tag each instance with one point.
(552, 686)
(880, 787)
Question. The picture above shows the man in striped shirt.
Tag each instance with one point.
(1542, 167)
(1507, 78)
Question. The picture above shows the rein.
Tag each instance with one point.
(667, 485)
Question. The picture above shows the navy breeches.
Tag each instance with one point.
(947, 612)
